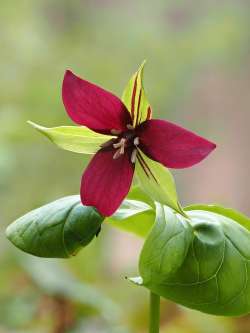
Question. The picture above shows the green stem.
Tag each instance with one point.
(154, 321)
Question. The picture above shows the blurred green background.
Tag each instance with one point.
(197, 74)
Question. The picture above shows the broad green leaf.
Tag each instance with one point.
(157, 182)
(135, 99)
(133, 216)
(166, 246)
(229, 212)
(57, 230)
(202, 262)
(78, 139)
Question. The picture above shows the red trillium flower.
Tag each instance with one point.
(129, 141)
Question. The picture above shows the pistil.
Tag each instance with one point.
(133, 155)
(136, 141)
(122, 144)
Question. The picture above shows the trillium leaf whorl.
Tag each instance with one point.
(202, 262)
(57, 230)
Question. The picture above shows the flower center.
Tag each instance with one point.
(127, 139)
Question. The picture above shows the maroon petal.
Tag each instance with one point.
(92, 106)
(106, 182)
(172, 145)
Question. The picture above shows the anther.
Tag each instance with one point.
(133, 155)
(121, 148)
(116, 155)
(119, 144)
(136, 141)
(115, 132)
(130, 127)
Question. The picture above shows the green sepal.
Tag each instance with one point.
(136, 193)
(135, 99)
(57, 230)
(157, 182)
(202, 262)
(133, 216)
(78, 139)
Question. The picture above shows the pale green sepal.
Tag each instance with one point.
(135, 99)
(133, 216)
(158, 183)
(78, 139)
(130, 208)
(136, 193)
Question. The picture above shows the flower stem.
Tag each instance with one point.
(154, 321)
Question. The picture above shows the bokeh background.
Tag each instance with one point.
(197, 74)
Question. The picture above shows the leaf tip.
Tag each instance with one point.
(36, 126)
(8, 232)
(43, 130)
(13, 236)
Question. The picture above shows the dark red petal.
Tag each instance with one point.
(92, 106)
(106, 182)
(172, 145)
